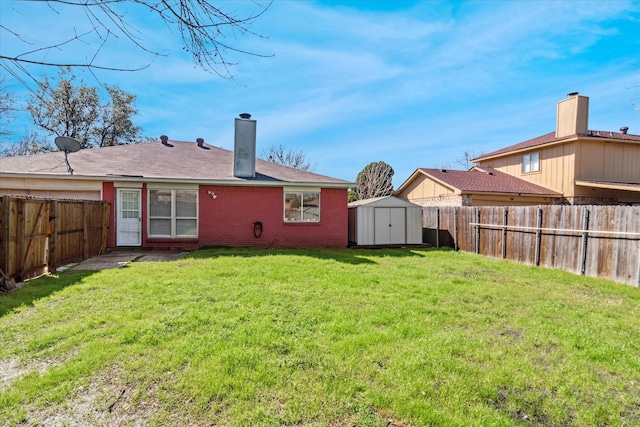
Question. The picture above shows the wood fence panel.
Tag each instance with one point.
(572, 238)
(627, 252)
(70, 232)
(5, 220)
(38, 235)
(600, 246)
(523, 242)
(551, 250)
(447, 224)
(466, 232)
(491, 238)
(35, 243)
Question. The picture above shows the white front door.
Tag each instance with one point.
(129, 218)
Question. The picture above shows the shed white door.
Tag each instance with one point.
(390, 226)
(129, 222)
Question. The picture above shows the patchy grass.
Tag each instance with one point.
(321, 337)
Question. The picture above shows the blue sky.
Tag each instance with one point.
(411, 83)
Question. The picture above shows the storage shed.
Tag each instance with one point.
(384, 221)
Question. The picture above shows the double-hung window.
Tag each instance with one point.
(301, 206)
(173, 213)
(531, 162)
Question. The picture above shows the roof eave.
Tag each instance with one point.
(511, 194)
(239, 182)
(608, 185)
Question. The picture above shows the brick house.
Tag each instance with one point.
(186, 195)
(572, 165)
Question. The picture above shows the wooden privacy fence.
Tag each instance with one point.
(38, 235)
(597, 241)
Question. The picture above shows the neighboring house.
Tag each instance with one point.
(186, 195)
(573, 165)
(476, 187)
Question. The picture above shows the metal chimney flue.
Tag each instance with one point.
(200, 141)
(244, 151)
(624, 129)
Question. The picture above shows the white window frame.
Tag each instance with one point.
(174, 218)
(300, 194)
(531, 162)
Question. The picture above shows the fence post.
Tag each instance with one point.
(505, 215)
(477, 230)
(437, 227)
(5, 236)
(20, 232)
(638, 275)
(585, 238)
(105, 227)
(85, 229)
(538, 237)
(53, 236)
(455, 229)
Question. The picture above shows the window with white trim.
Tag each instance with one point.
(173, 213)
(531, 162)
(301, 206)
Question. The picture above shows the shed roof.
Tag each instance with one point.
(176, 161)
(386, 201)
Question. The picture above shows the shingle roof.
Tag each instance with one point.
(486, 180)
(551, 137)
(184, 161)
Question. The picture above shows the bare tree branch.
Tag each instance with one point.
(203, 28)
(288, 157)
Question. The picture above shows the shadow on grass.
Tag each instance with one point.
(39, 288)
(345, 255)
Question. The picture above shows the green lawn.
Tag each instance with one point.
(321, 337)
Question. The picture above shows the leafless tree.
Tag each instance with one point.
(375, 180)
(466, 160)
(206, 31)
(288, 157)
(7, 110)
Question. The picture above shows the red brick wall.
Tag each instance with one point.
(227, 219)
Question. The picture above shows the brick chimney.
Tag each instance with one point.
(244, 149)
(573, 115)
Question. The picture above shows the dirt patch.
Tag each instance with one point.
(105, 400)
(12, 369)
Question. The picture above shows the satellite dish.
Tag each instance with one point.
(68, 145)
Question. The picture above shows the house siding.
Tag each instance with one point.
(426, 192)
(556, 167)
(227, 219)
(614, 162)
(47, 188)
(590, 159)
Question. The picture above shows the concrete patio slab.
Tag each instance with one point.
(119, 259)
